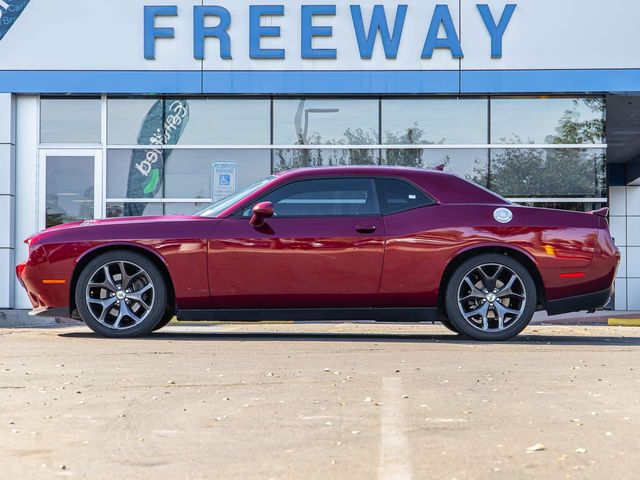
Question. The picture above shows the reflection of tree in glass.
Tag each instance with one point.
(298, 158)
(552, 172)
(405, 157)
(57, 214)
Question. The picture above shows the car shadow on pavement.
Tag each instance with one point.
(591, 340)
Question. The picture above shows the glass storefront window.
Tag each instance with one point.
(571, 206)
(177, 143)
(547, 120)
(119, 209)
(189, 173)
(470, 163)
(73, 120)
(134, 121)
(135, 173)
(285, 159)
(183, 208)
(175, 173)
(227, 122)
(526, 172)
(325, 122)
(434, 121)
(69, 189)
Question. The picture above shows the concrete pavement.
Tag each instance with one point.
(319, 401)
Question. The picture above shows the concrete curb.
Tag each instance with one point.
(21, 318)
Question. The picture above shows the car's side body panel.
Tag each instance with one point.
(177, 242)
(296, 263)
(421, 243)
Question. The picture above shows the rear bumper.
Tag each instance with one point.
(590, 301)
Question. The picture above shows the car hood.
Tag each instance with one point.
(58, 230)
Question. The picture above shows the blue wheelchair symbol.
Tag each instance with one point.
(225, 180)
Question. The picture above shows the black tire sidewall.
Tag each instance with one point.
(160, 301)
(451, 299)
(164, 321)
(449, 326)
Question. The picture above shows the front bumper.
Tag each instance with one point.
(46, 289)
(590, 301)
(60, 312)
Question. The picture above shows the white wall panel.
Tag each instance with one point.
(556, 34)
(618, 200)
(618, 228)
(7, 169)
(633, 299)
(6, 274)
(621, 294)
(633, 200)
(26, 184)
(633, 231)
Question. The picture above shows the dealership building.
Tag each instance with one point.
(114, 108)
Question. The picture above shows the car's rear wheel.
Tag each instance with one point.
(121, 294)
(491, 297)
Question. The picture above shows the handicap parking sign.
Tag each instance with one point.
(224, 179)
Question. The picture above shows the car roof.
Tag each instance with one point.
(443, 186)
(339, 171)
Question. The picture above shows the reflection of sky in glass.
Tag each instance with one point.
(533, 119)
(324, 122)
(69, 187)
(441, 120)
(125, 118)
(228, 122)
(69, 120)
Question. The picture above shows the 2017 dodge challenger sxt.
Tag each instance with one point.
(345, 243)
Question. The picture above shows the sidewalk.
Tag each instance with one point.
(20, 318)
(582, 318)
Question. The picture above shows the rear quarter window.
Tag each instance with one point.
(400, 196)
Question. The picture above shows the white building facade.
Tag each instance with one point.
(130, 107)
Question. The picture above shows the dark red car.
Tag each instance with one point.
(345, 243)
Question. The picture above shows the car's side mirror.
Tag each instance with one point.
(261, 211)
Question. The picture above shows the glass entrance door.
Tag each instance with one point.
(69, 186)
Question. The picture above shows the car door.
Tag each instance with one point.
(322, 248)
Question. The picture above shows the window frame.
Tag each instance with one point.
(239, 213)
(427, 195)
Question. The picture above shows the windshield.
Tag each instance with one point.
(220, 206)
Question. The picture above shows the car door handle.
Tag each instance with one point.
(366, 228)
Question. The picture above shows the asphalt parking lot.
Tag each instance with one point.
(320, 401)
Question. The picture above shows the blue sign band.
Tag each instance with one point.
(323, 82)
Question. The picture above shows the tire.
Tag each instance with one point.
(491, 297)
(449, 326)
(121, 305)
(168, 316)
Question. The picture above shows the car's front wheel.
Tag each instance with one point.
(491, 297)
(121, 294)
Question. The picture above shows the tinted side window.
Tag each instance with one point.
(324, 198)
(399, 196)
